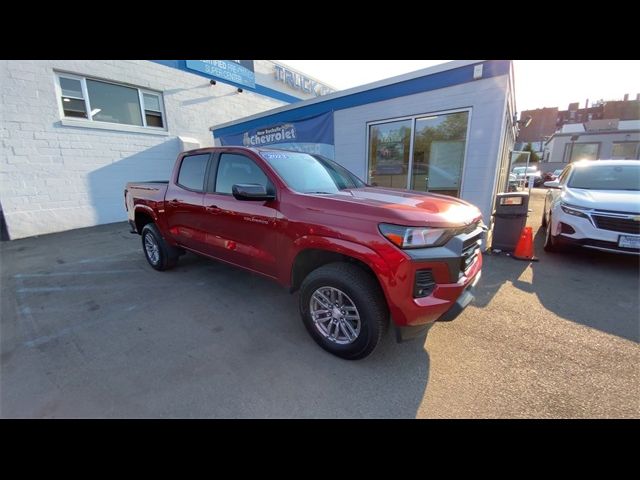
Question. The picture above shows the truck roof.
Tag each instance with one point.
(239, 147)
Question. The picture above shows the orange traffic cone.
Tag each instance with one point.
(524, 248)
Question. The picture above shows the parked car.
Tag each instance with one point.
(594, 204)
(532, 173)
(359, 255)
(550, 176)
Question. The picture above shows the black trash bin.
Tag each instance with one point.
(510, 217)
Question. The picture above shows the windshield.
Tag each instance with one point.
(606, 177)
(308, 173)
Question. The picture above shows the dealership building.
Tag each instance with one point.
(447, 129)
(74, 132)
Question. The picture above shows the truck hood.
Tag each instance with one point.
(615, 200)
(400, 206)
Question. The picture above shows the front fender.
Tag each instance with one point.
(358, 251)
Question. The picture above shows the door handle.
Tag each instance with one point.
(175, 201)
(212, 208)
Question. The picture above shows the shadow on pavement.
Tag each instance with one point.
(107, 336)
(594, 288)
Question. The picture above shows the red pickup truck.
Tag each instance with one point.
(359, 255)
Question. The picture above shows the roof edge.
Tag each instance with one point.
(343, 93)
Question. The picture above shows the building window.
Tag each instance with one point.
(580, 151)
(424, 152)
(152, 109)
(73, 104)
(100, 101)
(625, 150)
(389, 145)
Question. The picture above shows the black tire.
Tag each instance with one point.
(168, 255)
(551, 242)
(365, 293)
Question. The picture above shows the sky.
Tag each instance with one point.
(539, 83)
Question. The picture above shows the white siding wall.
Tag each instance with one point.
(55, 177)
(485, 97)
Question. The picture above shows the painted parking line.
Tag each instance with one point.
(85, 272)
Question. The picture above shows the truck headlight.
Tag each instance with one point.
(416, 237)
(572, 210)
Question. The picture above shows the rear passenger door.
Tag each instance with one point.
(183, 201)
(242, 232)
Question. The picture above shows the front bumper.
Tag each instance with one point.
(454, 309)
(586, 234)
(454, 269)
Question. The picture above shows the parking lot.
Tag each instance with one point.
(90, 330)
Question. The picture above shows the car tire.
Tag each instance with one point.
(359, 289)
(551, 242)
(158, 253)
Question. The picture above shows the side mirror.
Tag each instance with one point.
(251, 191)
(552, 184)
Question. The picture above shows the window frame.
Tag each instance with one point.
(206, 172)
(89, 121)
(141, 93)
(568, 146)
(413, 118)
(621, 142)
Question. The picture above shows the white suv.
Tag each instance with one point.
(594, 204)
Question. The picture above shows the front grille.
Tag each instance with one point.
(624, 225)
(424, 283)
(470, 249)
(469, 228)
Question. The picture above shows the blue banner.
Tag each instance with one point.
(237, 71)
(311, 135)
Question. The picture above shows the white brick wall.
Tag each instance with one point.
(55, 177)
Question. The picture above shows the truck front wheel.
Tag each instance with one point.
(159, 255)
(343, 309)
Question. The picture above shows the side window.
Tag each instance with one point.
(192, 170)
(234, 168)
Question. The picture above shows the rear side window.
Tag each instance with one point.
(192, 170)
(234, 169)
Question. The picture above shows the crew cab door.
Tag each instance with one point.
(242, 232)
(183, 201)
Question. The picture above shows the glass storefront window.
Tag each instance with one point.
(438, 144)
(438, 153)
(389, 145)
(580, 151)
(625, 150)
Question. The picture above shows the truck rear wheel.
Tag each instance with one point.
(343, 309)
(159, 255)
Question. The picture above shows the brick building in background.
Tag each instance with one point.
(547, 123)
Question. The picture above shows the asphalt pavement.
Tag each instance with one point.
(89, 330)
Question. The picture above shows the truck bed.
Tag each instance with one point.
(150, 194)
